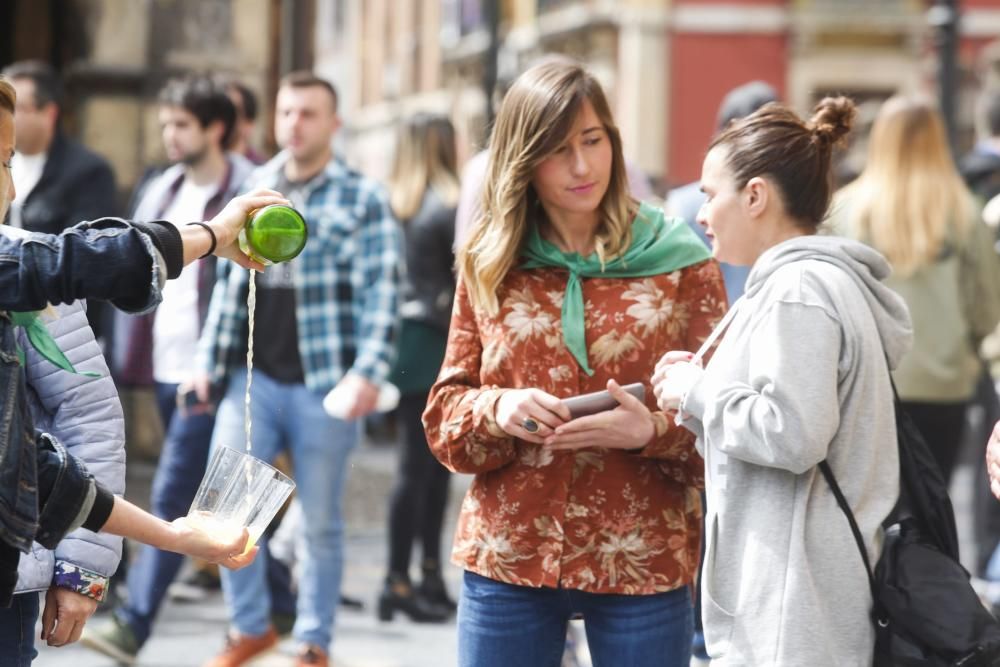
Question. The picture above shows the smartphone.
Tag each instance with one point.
(188, 403)
(599, 401)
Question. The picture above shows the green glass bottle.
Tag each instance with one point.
(274, 234)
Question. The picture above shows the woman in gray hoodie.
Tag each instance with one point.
(801, 375)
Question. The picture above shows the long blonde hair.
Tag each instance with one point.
(7, 95)
(533, 121)
(909, 199)
(425, 159)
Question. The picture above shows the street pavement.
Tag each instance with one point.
(187, 634)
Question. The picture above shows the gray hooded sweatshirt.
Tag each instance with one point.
(800, 376)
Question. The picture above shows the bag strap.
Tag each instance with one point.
(831, 480)
(824, 468)
(717, 332)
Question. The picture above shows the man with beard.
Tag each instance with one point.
(59, 181)
(325, 319)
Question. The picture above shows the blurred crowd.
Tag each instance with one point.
(399, 284)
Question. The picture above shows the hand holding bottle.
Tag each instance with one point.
(274, 234)
(227, 226)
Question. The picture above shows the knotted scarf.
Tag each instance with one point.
(40, 339)
(659, 245)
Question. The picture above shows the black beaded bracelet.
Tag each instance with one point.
(211, 248)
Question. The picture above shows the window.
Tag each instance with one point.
(549, 5)
(859, 9)
(471, 16)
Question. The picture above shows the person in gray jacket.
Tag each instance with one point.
(86, 416)
(801, 376)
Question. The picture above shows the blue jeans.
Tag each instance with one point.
(290, 416)
(17, 631)
(503, 624)
(178, 474)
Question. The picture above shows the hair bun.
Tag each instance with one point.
(832, 120)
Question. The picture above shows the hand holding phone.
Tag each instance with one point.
(188, 403)
(599, 401)
(614, 419)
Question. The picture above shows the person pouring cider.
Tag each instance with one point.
(44, 491)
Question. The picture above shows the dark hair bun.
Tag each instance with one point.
(832, 120)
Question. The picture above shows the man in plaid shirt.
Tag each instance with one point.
(326, 318)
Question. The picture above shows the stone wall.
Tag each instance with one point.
(130, 48)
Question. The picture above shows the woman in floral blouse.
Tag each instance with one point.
(567, 286)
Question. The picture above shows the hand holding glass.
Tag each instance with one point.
(238, 491)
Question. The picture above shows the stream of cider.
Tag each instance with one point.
(247, 423)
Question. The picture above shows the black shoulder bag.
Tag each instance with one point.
(925, 612)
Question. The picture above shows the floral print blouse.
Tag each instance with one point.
(598, 520)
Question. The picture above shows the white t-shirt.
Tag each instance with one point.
(26, 170)
(175, 328)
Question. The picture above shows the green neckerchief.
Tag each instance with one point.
(658, 246)
(40, 339)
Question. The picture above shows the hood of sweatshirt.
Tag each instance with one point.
(979, 164)
(865, 266)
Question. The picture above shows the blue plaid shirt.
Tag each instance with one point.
(347, 283)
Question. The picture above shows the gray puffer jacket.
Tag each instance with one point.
(85, 415)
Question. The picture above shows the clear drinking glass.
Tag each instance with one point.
(238, 491)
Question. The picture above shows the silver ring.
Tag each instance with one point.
(529, 425)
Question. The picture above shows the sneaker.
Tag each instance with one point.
(283, 623)
(241, 648)
(195, 587)
(114, 639)
(312, 656)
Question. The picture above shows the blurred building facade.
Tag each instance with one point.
(666, 64)
(115, 55)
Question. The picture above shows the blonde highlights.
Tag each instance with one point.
(7, 95)
(910, 198)
(425, 159)
(533, 121)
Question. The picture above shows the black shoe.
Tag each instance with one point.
(400, 596)
(196, 587)
(283, 623)
(433, 590)
(351, 603)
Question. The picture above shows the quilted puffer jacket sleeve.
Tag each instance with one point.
(86, 415)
